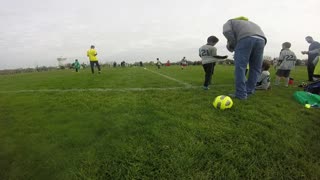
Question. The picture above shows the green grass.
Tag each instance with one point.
(152, 134)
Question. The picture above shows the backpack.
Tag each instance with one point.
(313, 88)
(307, 98)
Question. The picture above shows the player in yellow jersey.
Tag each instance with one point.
(92, 54)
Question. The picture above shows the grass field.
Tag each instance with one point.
(132, 123)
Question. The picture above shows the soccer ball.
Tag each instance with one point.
(222, 102)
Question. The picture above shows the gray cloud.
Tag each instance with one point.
(36, 32)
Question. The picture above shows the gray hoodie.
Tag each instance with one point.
(235, 30)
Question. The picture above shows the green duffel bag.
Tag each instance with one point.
(307, 98)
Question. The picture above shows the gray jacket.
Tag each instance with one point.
(235, 30)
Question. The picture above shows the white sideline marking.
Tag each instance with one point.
(109, 89)
(95, 90)
(168, 77)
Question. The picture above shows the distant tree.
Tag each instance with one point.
(298, 62)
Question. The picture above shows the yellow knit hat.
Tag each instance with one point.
(241, 18)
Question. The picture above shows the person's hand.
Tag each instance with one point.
(231, 49)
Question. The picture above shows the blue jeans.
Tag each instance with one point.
(248, 50)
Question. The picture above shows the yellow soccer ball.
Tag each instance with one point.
(222, 102)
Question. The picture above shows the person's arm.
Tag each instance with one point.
(230, 36)
(280, 60)
(316, 60)
(88, 53)
(220, 57)
(315, 51)
(213, 51)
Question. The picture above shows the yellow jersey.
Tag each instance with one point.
(92, 54)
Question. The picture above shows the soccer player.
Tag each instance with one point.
(264, 79)
(183, 63)
(158, 63)
(286, 62)
(76, 65)
(208, 54)
(92, 54)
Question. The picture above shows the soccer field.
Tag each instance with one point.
(136, 123)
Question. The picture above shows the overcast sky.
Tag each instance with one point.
(37, 32)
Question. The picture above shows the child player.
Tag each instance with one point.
(183, 63)
(76, 65)
(286, 62)
(209, 57)
(264, 79)
(158, 63)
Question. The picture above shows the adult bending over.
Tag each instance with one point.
(247, 40)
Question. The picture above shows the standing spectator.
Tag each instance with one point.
(92, 54)
(247, 40)
(312, 54)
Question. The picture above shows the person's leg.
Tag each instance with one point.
(255, 63)
(278, 77)
(287, 79)
(92, 66)
(206, 68)
(310, 71)
(98, 65)
(242, 55)
(277, 82)
(211, 72)
(76, 69)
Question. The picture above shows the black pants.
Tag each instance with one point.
(77, 69)
(92, 66)
(310, 70)
(208, 69)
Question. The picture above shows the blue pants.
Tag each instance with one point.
(248, 50)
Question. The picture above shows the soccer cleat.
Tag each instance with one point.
(205, 88)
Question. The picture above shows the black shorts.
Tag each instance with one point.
(283, 73)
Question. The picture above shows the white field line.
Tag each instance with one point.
(186, 86)
(108, 89)
(168, 77)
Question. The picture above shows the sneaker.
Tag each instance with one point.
(234, 96)
(205, 88)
